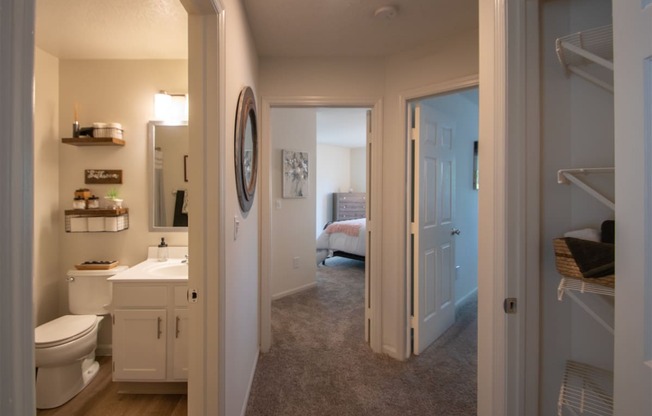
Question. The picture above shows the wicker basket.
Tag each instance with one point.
(567, 266)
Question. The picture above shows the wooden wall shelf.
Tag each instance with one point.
(93, 141)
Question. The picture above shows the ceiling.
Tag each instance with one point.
(112, 29)
(345, 28)
(157, 29)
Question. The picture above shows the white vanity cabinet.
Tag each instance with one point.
(150, 331)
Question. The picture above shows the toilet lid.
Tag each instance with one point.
(64, 329)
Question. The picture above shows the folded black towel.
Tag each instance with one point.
(593, 259)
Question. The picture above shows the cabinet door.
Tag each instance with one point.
(139, 344)
(180, 345)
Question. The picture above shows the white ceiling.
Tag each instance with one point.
(345, 127)
(329, 28)
(157, 29)
(112, 29)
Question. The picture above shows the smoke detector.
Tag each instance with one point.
(386, 12)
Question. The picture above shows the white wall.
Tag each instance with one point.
(464, 112)
(242, 283)
(293, 224)
(576, 131)
(333, 175)
(383, 79)
(47, 224)
(359, 169)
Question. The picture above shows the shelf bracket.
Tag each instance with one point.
(567, 176)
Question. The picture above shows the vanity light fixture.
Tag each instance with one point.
(170, 106)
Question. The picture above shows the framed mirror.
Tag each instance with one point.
(246, 149)
(168, 164)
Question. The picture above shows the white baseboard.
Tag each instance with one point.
(463, 298)
(293, 291)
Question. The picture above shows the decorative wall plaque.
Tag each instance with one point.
(103, 176)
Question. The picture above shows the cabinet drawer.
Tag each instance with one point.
(351, 206)
(181, 296)
(347, 198)
(139, 296)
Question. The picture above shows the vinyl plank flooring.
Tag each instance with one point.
(101, 398)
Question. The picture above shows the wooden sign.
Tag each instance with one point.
(103, 176)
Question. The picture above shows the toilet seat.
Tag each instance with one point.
(64, 329)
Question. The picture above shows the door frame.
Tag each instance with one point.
(509, 220)
(17, 22)
(374, 201)
(406, 99)
(206, 231)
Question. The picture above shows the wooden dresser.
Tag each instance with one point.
(349, 205)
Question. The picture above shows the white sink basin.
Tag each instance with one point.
(170, 270)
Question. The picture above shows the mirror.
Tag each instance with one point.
(168, 172)
(246, 149)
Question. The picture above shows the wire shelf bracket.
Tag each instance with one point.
(567, 176)
(594, 46)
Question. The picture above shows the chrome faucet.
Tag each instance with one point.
(187, 261)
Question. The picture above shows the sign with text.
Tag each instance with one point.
(103, 176)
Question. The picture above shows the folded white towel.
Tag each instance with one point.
(184, 207)
(590, 234)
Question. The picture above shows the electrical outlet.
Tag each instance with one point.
(278, 204)
(295, 262)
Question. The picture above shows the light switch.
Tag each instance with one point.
(236, 227)
(278, 204)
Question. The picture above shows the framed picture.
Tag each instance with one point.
(296, 174)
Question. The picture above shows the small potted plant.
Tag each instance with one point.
(112, 195)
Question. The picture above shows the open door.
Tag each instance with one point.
(632, 28)
(433, 232)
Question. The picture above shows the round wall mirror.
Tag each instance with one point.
(246, 149)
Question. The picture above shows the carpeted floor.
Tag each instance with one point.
(319, 363)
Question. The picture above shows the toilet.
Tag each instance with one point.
(65, 347)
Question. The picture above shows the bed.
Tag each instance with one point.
(342, 239)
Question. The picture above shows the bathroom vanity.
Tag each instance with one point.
(150, 320)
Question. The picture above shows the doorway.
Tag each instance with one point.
(271, 168)
(443, 212)
(318, 177)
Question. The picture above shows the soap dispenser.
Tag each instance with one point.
(162, 250)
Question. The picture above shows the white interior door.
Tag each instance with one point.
(433, 228)
(632, 22)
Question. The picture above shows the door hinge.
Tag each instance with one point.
(413, 322)
(113, 319)
(113, 366)
(509, 305)
(413, 228)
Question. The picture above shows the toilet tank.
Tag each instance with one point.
(89, 293)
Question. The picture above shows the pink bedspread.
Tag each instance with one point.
(345, 227)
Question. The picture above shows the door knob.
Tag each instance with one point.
(455, 231)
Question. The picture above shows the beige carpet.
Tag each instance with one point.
(319, 363)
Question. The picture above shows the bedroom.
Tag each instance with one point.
(336, 163)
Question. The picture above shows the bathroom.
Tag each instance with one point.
(70, 88)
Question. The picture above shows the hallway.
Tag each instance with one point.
(320, 365)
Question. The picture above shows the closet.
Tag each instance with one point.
(578, 194)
